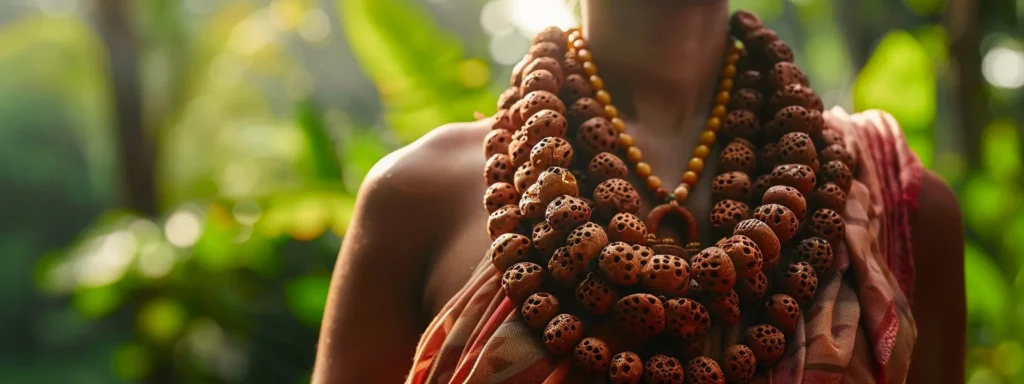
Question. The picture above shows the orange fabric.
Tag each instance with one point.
(858, 330)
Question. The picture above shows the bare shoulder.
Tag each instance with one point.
(938, 207)
(444, 160)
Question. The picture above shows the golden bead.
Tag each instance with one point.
(625, 140)
(643, 169)
(579, 44)
(596, 83)
(611, 112)
(726, 85)
(589, 67)
(690, 178)
(733, 58)
(619, 125)
(722, 98)
(713, 124)
(718, 111)
(574, 35)
(653, 182)
(603, 97)
(634, 155)
(696, 165)
(707, 138)
(681, 192)
(729, 72)
(585, 55)
(701, 152)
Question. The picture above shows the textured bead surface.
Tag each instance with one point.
(784, 73)
(838, 173)
(747, 79)
(507, 98)
(613, 196)
(827, 224)
(592, 355)
(503, 120)
(628, 228)
(539, 309)
(758, 39)
(713, 270)
(788, 197)
(780, 219)
(522, 280)
(584, 244)
(583, 109)
(562, 333)
(525, 177)
(535, 102)
(827, 137)
(573, 65)
(752, 288)
(556, 181)
(509, 249)
(795, 94)
(739, 364)
(496, 142)
(506, 219)
(499, 195)
(744, 22)
(576, 87)
(640, 314)
(798, 176)
(619, 265)
(519, 148)
(737, 157)
(761, 186)
(837, 152)
(829, 195)
(546, 239)
(704, 370)
(777, 51)
(797, 148)
(765, 238)
(562, 269)
(567, 212)
(815, 251)
(783, 312)
(595, 136)
(605, 166)
(549, 64)
(733, 185)
(596, 295)
(800, 281)
(724, 307)
(768, 157)
(686, 319)
(727, 213)
(625, 368)
(767, 343)
(795, 118)
(667, 275)
(539, 80)
(544, 123)
(551, 35)
(745, 255)
(741, 123)
(661, 369)
(498, 169)
(547, 49)
(747, 99)
(551, 152)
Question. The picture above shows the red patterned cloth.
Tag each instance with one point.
(859, 330)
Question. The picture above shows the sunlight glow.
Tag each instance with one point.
(105, 259)
(532, 16)
(315, 26)
(1003, 67)
(183, 228)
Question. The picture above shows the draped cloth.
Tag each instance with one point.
(858, 330)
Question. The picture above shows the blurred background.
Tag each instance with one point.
(176, 176)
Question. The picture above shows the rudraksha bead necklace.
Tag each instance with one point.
(563, 216)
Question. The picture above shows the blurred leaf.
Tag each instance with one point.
(1012, 240)
(987, 203)
(324, 162)
(97, 302)
(987, 290)
(414, 64)
(132, 362)
(924, 7)
(306, 297)
(923, 145)
(161, 319)
(899, 78)
(934, 40)
(1001, 151)
(362, 149)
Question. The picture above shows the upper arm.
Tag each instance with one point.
(940, 310)
(374, 315)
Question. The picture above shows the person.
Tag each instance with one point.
(417, 238)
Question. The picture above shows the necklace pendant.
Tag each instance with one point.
(668, 245)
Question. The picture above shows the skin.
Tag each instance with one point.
(419, 225)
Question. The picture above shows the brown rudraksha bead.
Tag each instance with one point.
(686, 319)
(562, 333)
(741, 123)
(829, 195)
(815, 251)
(619, 264)
(613, 196)
(752, 288)
(509, 249)
(667, 275)
(522, 280)
(732, 186)
(798, 176)
(837, 172)
(641, 314)
(704, 370)
(596, 295)
(499, 195)
(661, 369)
(562, 269)
(724, 307)
(797, 148)
(498, 169)
(726, 214)
(780, 219)
(506, 219)
(540, 80)
(746, 256)
(584, 244)
(788, 197)
(739, 364)
(783, 312)
(567, 212)
(593, 356)
(765, 238)
(827, 224)
(800, 281)
(628, 228)
(737, 157)
(496, 142)
(767, 343)
(596, 135)
(551, 152)
(539, 309)
(605, 166)
(625, 368)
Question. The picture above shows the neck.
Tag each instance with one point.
(659, 58)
